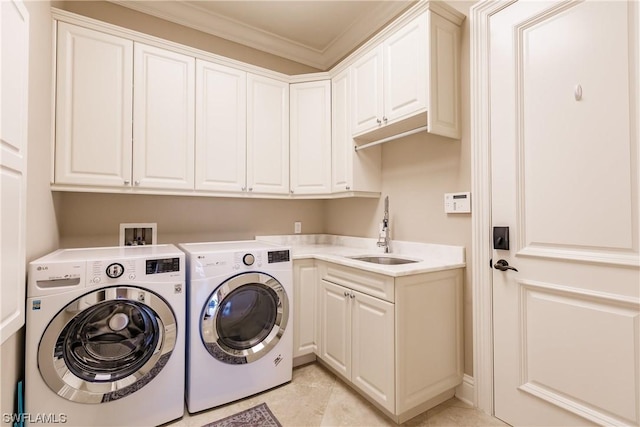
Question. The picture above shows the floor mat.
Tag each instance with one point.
(258, 416)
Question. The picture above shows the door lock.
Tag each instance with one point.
(501, 238)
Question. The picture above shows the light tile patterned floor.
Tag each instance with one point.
(316, 397)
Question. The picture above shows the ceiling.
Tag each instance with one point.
(317, 33)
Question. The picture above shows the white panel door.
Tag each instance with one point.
(405, 70)
(367, 105)
(335, 327)
(267, 135)
(564, 126)
(310, 149)
(373, 348)
(164, 102)
(94, 92)
(221, 127)
(14, 28)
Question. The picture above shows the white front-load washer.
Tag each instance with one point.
(239, 315)
(105, 335)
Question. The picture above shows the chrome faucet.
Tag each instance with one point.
(383, 237)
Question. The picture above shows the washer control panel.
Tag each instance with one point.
(131, 270)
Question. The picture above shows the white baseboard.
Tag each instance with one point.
(466, 391)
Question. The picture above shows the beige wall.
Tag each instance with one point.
(416, 172)
(133, 20)
(41, 228)
(88, 219)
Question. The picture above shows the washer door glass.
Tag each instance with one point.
(107, 344)
(244, 318)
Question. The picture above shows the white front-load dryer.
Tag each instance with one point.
(240, 313)
(105, 334)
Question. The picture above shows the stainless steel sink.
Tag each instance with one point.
(386, 260)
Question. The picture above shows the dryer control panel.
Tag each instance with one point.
(278, 256)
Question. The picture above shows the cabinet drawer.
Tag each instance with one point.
(376, 285)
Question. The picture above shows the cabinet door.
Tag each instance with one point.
(221, 127)
(310, 157)
(367, 92)
(373, 348)
(305, 290)
(341, 142)
(405, 70)
(164, 103)
(267, 135)
(351, 170)
(93, 108)
(335, 327)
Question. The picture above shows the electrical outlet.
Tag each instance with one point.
(297, 227)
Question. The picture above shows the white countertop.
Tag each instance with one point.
(338, 249)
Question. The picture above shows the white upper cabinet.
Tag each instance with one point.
(221, 127)
(351, 171)
(367, 92)
(164, 99)
(405, 71)
(93, 108)
(101, 139)
(409, 80)
(310, 157)
(137, 114)
(267, 135)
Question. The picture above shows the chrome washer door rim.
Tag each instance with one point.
(209, 319)
(69, 383)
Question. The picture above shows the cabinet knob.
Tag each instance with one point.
(346, 294)
(352, 296)
(250, 188)
(127, 182)
(244, 188)
(384, 119)
(291, 191)
(136, 182)
(348, 188)
(379, 121)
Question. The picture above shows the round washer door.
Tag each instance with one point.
(107, 344)
(244, 318)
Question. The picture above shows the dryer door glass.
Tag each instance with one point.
(244, 318)
(107, 344)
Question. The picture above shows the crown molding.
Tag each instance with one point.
(198, 18)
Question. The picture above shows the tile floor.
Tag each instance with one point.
(316, 397)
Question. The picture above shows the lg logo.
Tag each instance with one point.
(42, 268)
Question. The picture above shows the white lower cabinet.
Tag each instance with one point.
(396, 340)
(357, 340)
(305, 323)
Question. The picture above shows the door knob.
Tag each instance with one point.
(503, 265)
